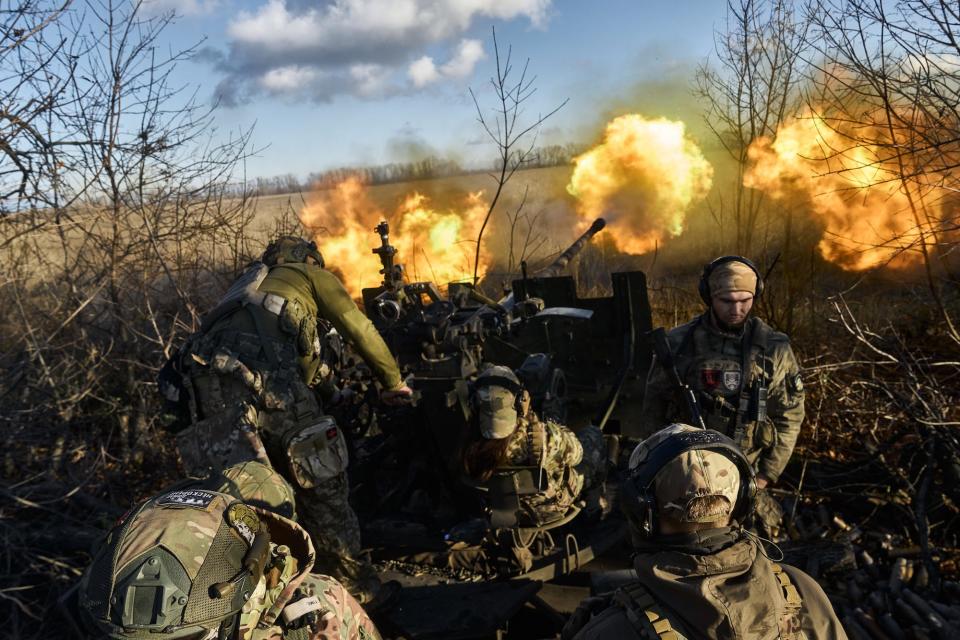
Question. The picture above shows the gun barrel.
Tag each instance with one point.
(558, 265)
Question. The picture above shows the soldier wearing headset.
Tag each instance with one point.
(699, 574)
(743, 373)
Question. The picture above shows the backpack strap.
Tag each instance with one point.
(644, 613)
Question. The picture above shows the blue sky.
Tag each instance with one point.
(350, 82)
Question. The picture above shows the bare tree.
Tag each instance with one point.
(888, 85)
(748, 91)
(515, 136)
(121, 217)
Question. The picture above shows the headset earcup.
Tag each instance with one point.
(636, 509)
(703, 287)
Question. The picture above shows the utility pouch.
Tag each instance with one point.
(315, 452)
(221, 441)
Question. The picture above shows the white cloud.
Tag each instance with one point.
(287, 79)
(370, 80)
(469, 53)
(423, 71)
(371, 47)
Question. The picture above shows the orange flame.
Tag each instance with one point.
(866, 215)
(643, 177)
(431, 244)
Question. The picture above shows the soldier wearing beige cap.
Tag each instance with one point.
(743, 373)
(698, 574)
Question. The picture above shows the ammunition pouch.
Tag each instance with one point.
(315, 451)
(228, 437)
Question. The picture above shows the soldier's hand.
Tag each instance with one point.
(762, 481)
(396, 397)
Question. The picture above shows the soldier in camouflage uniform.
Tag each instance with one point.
(195, 563)
(511, 434)
(744, 374)
(248, 379)
(698, 576)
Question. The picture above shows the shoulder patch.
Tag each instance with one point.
(192, 498)
(244, 520)
(797, 383)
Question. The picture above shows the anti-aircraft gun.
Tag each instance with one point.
(576, 356)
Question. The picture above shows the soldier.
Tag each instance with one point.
(743, 373)
(248, 379)
(507, 432)
(195, 563)
(699, 575)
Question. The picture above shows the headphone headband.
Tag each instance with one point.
(703, 287)
(498, 381)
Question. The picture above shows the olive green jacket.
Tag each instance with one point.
(314, 293)
(717, 585)
(710, 361)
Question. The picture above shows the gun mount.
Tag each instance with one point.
(574, 355)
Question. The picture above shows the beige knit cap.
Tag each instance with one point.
(732, 276)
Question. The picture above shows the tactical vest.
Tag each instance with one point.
(651, 622)
(732, 395)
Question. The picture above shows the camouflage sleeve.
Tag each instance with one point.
(656, 401)
(339, 616)
(335, 305)
(563, 448)
(784, 410)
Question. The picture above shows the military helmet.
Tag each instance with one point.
(672, 470)
(181, 565)
(258, 485)
(495, 396)
(291, 249)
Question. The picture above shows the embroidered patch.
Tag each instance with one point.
(731, 380)
(193, 498)
(244, 520)
(711, 378)
(797, 383)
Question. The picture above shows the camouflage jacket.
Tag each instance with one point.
(555, 449)
(689, 582)
(288, 325)
(292, 602)
(711, 362)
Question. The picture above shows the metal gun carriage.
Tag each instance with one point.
(461, 544)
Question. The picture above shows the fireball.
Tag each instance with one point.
(643, 177)
(433, 243)
(866, 215)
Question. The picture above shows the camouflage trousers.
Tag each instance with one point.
(593, 466)
(340, 616)
(326, 514)
(240, 424)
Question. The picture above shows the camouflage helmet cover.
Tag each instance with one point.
(291, 249)
(495, 395)
(694, 473)
(177, 566)
(258, 485)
